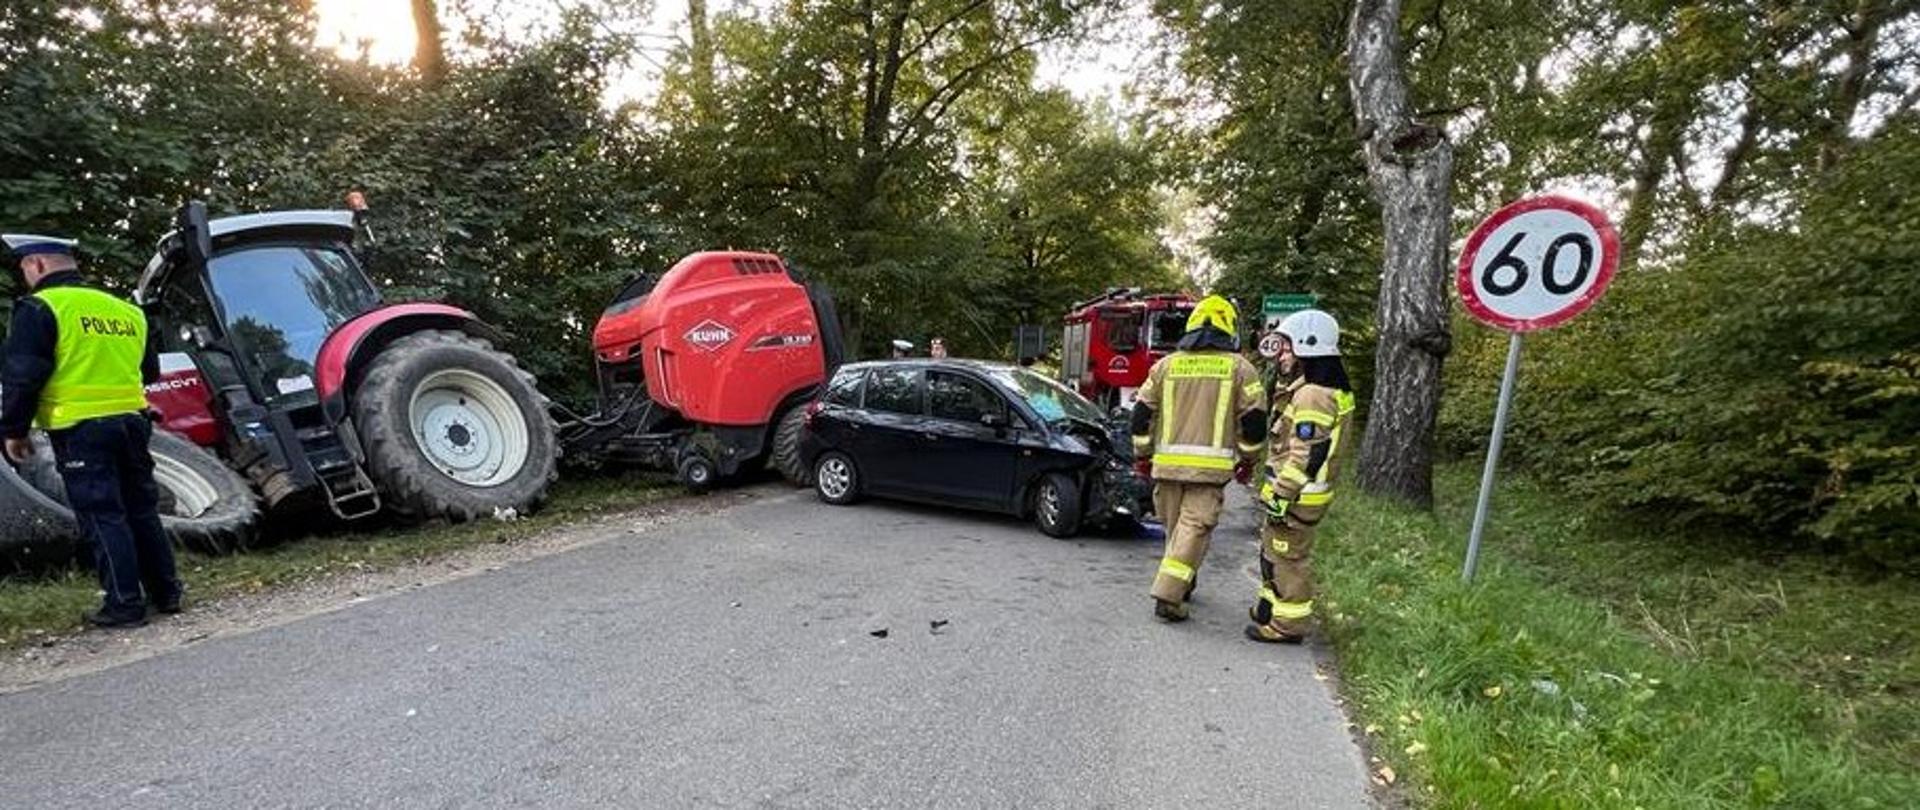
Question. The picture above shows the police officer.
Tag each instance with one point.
(75, 365)
(1200, 416)
(1308, 440)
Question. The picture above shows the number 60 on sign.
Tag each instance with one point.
(1537, 263)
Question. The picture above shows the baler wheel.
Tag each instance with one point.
(786, 448)
(454, 429)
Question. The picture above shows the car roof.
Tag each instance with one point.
(950, 363)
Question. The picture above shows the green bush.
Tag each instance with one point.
(1770, 378)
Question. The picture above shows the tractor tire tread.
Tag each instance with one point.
(787, 440)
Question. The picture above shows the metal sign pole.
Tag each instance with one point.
(1500, 412)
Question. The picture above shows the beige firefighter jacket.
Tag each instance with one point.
(1307, 443)
(1198, 398)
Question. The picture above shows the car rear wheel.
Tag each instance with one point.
(454, 429)
(1056, 506)
(836, 479)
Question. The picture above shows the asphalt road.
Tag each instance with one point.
(729, 661)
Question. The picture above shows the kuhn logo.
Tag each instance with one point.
(710, 335)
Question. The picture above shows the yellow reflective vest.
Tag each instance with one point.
(99, 343)
(1308, 441)
(1198, 398)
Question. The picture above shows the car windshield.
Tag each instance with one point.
(281, 302)
(1053, 401)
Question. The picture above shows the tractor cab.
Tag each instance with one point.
(244, 304)
(273, 341)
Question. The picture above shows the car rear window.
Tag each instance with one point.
(895, 390)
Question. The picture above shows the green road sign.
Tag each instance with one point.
(1279, 305)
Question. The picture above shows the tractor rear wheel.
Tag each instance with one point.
(786, 448)
(454, 429)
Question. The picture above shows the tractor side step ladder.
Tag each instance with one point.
(350, 494)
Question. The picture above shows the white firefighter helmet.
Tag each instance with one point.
(1314, 333)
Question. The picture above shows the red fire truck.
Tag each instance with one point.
(1113, 340)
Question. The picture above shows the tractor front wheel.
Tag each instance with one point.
(454, 429)
(204, 505)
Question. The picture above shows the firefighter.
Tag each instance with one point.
(1308, 440)
(76, 364)
(1200, 418)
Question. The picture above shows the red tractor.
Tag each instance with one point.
(1112, 341)
(283, 358)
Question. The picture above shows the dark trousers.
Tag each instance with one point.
(109, 476)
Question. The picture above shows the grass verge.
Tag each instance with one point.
(39, 606)
(1600, 662)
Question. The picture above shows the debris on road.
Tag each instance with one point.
(880, 633)
(938, 625)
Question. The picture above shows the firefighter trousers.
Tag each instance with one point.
(1286, 573)
(1189, 511)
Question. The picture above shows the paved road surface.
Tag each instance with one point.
(724, 661)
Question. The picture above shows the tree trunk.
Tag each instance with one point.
(1666, 135)
(429, 55)
(1410, 165)
(701, 55)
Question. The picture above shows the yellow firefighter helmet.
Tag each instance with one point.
(1216, 312)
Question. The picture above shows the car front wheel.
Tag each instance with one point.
(1056, 506)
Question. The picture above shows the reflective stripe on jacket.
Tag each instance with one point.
(1197, 399)
(99, 343)
(1308, 443)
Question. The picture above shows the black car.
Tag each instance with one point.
(979, 435)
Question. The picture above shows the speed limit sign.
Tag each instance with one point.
(1534, 264)
(1270, 345)
(1537, 263)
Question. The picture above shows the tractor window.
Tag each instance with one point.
(280, 303)
(183, 304)
(1123, 330)
(1168, 327)
(895, 390)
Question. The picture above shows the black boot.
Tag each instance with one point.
(105, 620)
